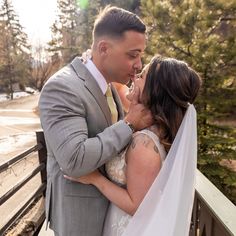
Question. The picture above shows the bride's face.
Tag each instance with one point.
(139, 82)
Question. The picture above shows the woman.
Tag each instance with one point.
(167, 88)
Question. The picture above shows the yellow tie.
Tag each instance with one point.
(112, 105)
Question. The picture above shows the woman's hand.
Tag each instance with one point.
(86, 179)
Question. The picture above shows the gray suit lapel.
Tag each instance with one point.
(91, 84)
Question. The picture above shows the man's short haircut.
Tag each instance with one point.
(114, 22)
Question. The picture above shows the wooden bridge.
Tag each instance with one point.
(213, 214)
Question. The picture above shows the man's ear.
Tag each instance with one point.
(103, 47)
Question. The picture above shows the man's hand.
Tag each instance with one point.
(139, 116)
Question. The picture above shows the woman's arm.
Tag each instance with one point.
(143, 165)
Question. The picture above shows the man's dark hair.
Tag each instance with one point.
(114, 22)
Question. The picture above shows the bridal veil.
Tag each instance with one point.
(167, 207)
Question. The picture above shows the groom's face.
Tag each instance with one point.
(123, 59)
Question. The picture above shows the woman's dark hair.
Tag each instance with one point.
(114, 21)
(169, 88)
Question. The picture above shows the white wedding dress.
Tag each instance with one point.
(117, 220)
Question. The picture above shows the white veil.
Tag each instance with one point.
(167, 207)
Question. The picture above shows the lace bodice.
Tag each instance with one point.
(116, 168)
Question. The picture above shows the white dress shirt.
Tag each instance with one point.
(97, 75)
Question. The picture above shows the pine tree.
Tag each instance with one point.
(87, 16)
(203, 33)
(72, 31)
(64, 30)
(14, 50)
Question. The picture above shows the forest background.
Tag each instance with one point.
(200, 32)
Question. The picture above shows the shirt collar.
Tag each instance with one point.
(97, 75)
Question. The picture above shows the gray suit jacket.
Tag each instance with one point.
(74, 115)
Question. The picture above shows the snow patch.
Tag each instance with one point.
(11, 143)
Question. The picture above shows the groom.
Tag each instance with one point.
(77, 124)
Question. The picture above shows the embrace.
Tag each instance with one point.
(110, 172)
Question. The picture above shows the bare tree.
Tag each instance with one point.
(43, 66)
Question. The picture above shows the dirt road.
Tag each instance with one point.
(18, 116)
(18, 123)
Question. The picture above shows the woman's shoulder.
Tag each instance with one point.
(150, 133)
(143, 154)
(149, 138)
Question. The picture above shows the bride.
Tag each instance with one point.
(151, 183)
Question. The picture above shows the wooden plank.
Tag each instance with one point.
(222, 209)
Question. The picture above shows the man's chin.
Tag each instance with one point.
(125, 81)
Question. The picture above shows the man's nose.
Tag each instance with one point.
(138, 65)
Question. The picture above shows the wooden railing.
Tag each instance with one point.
(40, 147)
(213, 214)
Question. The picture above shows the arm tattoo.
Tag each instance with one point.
(143, 139)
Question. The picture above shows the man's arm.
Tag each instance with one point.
(63, 119)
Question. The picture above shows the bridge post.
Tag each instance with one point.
(42, 153)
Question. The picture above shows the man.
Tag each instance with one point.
(76, 120)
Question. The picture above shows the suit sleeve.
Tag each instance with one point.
(63, 119)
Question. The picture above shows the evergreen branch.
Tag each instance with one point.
(181, 50)
(227, 18)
